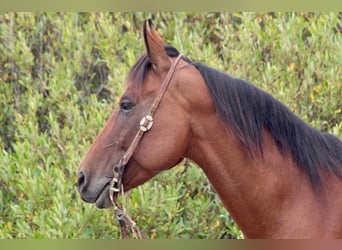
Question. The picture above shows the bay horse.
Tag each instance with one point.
(276, 176)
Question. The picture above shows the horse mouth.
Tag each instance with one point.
(103, 200)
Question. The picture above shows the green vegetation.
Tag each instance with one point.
(61, 75)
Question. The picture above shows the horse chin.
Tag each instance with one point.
(103, 200)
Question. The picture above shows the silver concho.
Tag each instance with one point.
(146, 123)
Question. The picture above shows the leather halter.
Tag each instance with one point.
(116, 186)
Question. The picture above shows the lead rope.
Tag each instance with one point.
(116, 187)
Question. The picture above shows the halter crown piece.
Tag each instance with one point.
(116, 187)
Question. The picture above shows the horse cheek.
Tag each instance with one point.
(163, 149)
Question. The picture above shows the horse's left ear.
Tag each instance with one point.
(155, 47)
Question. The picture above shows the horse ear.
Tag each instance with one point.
(155, 47)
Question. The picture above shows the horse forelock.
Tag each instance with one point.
(138, 71)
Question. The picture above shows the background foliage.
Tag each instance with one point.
(61, 75)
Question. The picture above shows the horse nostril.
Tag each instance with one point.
(80, 180)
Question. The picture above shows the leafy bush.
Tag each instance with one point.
(61, 75)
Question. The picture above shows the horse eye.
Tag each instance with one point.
(126, 106)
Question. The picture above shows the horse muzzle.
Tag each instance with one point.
(97, 193)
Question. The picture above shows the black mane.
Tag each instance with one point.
(247, 111)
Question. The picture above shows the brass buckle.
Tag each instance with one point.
(146, 123)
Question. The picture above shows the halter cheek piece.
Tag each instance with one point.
(116, 187)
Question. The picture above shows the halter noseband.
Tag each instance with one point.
(116, 186)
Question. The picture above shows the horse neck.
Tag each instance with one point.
(258, 193)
